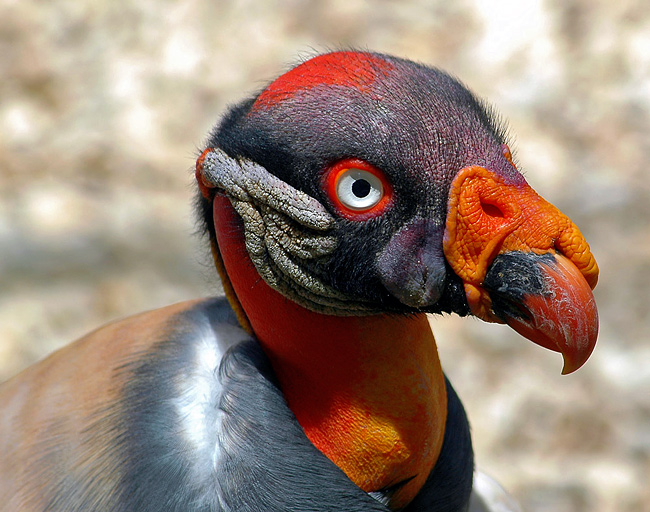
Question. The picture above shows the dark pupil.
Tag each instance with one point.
(361, 188)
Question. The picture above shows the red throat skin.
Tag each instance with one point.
(368, 391)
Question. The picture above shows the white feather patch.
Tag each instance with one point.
(199, 392)
(489, 496)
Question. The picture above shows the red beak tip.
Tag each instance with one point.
(570, 366)
(575, 359)
(565, 320)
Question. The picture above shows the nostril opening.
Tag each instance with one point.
(491, 210)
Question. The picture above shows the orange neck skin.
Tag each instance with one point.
(368, 391)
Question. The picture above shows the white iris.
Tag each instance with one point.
(358, 189)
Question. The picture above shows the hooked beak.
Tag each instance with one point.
(547, 300)
(523, 263)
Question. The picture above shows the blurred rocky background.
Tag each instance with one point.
(103, 105)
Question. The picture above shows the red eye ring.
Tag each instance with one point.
(339, 182)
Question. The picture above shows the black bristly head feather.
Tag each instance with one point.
(415, 123)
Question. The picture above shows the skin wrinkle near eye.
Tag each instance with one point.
(246, 180)
(270, 208)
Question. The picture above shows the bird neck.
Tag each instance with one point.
(368, 391)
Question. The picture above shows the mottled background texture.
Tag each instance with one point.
(103, 105)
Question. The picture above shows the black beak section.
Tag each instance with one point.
(510, 278)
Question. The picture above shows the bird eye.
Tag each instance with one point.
(358, 189)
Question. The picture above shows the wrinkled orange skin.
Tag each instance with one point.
(488, 216)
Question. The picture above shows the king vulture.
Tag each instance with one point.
(351, 197)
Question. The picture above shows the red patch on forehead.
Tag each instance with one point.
(349, 69)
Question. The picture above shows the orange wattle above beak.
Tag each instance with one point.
(522, 262)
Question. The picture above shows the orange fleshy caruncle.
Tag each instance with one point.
(488, 216)
(204, 186)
